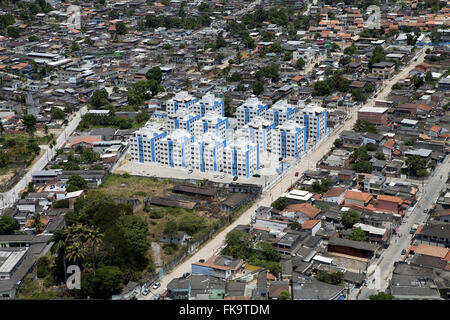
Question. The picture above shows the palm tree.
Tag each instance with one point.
(37, 224)
(74, 253)
(95, 239)
(59, 247)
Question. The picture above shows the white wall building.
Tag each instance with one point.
(171, 149)
(182, 100)
(211, 122)
(314, 119)
(280, 112)
(241, 158)
(249, 110)
(259, 130)
(289, 140)
(206, 153)
(144, 142)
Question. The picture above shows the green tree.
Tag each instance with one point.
(428, 76)
(13, 32)
(37, 224)
(381, 296)
(121, 28)
(358, 235)
(106, 282)
(338, 143)
(284, 295)
(29, 121)
(238, 244)
(321, 88)
(57, 113)
(296, 226)
(154, 73)
(380, 155)
(280, 203)
(349, 218)
(99, 98)
(363, 167)
(76, 182)
(75, 46)
(170, 228)
(258, 88)
(8, 225)
(416, 165)
(300, 63)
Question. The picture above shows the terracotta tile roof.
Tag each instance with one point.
(310, 224)
(361, 196)
(442, 213)
(386, 198)
(19, 66)
(433, 251)
(424, 137)
(335, 192)
(389, 144)
(304, 208)
(44, 220)
(436, 128)
(87, 139)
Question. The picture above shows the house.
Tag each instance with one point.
(304, 211)
(351, 139)
(73, 196)
(313, 289)
(288, 244)
(375, 115)
(218, 266)
(375, 234)
(276, 287)
(86, 141)
(437, 234)
(383, 70)
(234, 201)
(413, 287)
(389, 147)
(442, 216)
(194, 191)
(346, 176)
(179, 237)
(389, 204)
(359, 249)
(334, 195)
(360, 199)
(312, 225)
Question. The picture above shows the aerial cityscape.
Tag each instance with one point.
(225, 150)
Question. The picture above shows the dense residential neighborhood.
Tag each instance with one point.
(225, 150)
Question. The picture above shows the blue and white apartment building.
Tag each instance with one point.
(289, 140)
(314, 119)
(280, 112)
(196, 135)
(249, 110)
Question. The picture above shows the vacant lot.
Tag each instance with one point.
(195, 222)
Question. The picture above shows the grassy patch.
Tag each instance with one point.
(34, 289)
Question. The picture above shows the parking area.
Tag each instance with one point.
(267, 173)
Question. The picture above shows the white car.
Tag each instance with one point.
(146, 291)
(156, 285)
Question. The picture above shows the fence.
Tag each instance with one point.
(14, 179)
(191, 248)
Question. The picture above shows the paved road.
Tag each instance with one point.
(8, 198)
(379, 280)
(215, 245)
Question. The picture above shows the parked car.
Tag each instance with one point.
(145, 291)
(156, 285)
(190, 171)
(256, 175)
(201, 260)
(235, 178)
(403, 252)
(222, 176)
(296, 174)
(186, 274)
(425, 210)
